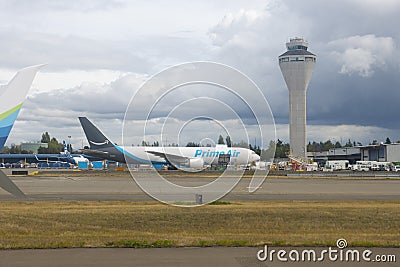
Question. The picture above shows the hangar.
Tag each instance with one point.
(381, 152)
(352, 154)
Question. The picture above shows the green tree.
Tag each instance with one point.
(192, 144)
(388, 141)
(6, 150)
(228, 141)
(282, 149)
(221, 140)
(328, 145)
(45, 138)
(15, 149)
(310, 147)
(338, 144)
(144, 143)
(53, 147)
(349, 144)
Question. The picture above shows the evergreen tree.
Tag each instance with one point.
(45, 138)
(282, 149)
(144, 143)
(192, 144)
(221, 140)
(338, 144)
(328, 145)
(228, 141)
(53, 147)
(349, 143)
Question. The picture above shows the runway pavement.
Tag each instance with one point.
(173, 257)
(108, 188)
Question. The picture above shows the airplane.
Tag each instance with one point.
(179, 157)
(12, 97)
(74, 159)
(62, 157)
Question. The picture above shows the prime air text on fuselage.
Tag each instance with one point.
(209, 153)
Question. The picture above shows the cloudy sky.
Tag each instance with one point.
(100, 52)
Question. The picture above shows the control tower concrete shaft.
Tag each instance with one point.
(297, 65)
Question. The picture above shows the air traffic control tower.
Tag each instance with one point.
(297, 65)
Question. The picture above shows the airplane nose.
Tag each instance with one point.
(256, 157)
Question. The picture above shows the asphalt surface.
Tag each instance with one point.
(172, 257)
(106, 188)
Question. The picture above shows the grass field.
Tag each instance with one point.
(126, 224)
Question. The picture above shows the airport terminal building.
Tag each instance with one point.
(352, 154)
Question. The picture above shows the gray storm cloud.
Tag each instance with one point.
(355, 83)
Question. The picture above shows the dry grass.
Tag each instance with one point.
(101, 224)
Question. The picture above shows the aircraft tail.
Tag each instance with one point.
(12, 97)
(66, 152)
(96, 139)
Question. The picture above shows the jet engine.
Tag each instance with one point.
(197, 163)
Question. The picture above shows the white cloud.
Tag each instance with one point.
(362, 54)
(233, 25)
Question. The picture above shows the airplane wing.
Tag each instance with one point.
(47, 160)
(169, 157)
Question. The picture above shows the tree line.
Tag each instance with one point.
(53, 147)
(282, 149)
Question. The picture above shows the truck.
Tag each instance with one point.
(336, 165)
(363, 165)
(381, 166)
(312, 167)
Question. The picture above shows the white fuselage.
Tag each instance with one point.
(210, 155)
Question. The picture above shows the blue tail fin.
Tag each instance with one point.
(66, 152)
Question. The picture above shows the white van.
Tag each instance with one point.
(336, 165)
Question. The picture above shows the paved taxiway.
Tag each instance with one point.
(44, 188)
